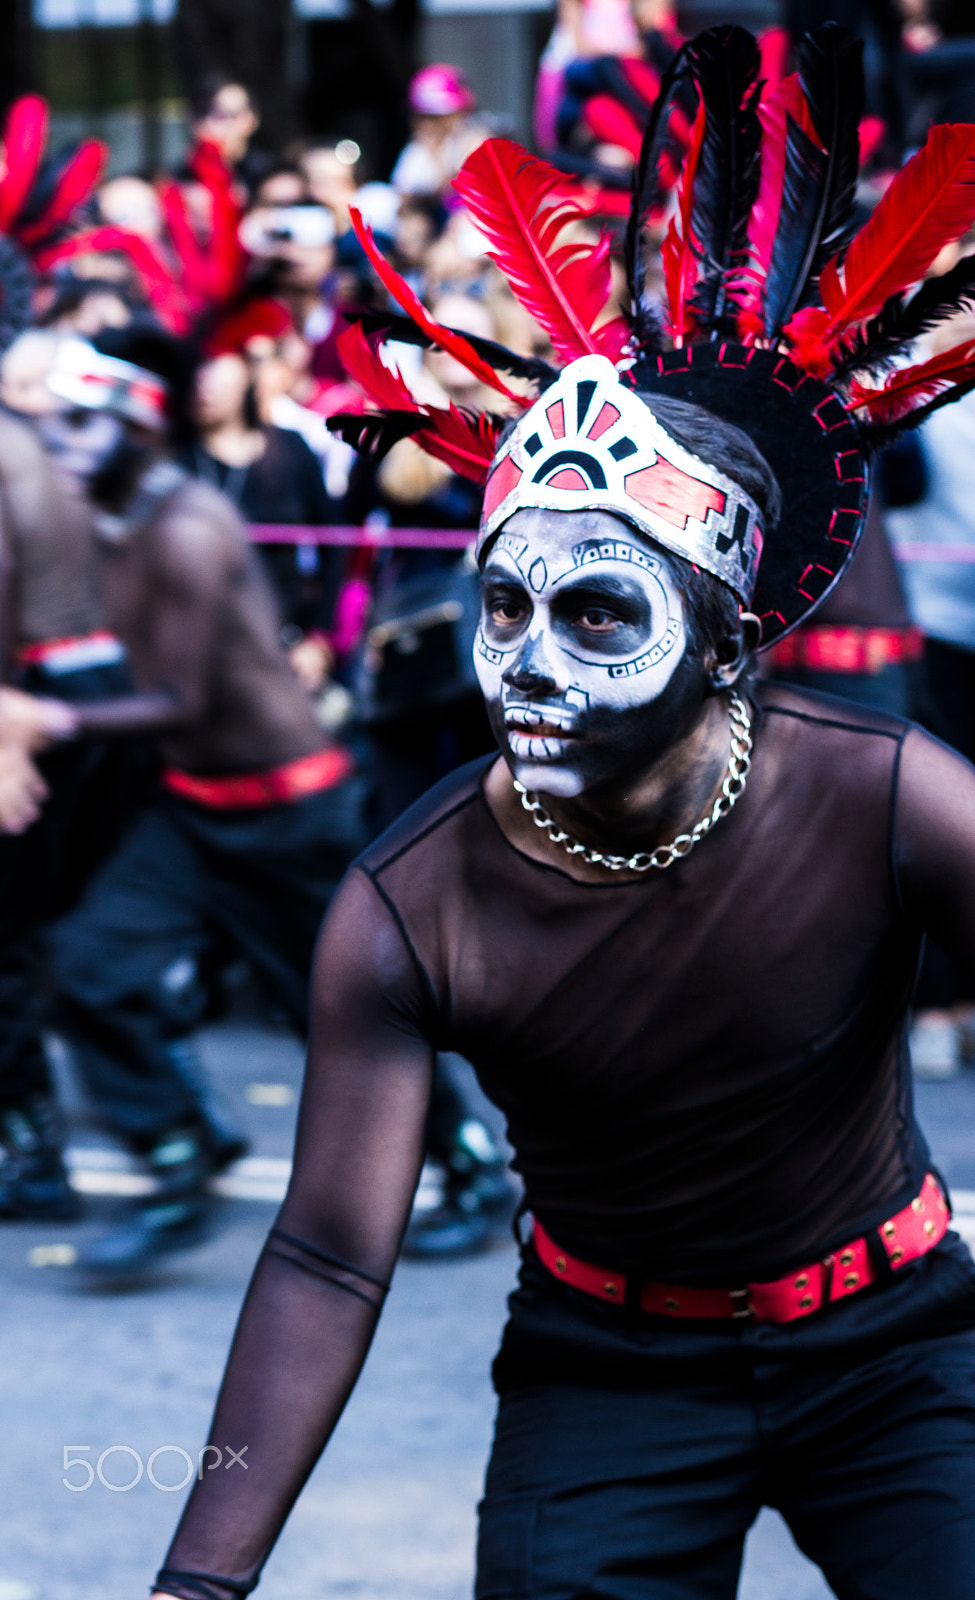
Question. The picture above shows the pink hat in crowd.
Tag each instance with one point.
(440, 90)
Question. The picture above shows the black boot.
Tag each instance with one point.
(177, 1216)
(34, 1184)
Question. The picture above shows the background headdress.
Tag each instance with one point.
(778, 314)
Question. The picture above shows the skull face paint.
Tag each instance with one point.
(582, 650)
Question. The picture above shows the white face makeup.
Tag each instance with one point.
(582, 632)
(80, 441)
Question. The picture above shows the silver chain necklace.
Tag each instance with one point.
(665, 855)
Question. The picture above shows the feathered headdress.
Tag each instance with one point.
(39, 197)
(778, 316)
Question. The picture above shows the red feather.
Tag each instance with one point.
(611, 123)
(930, 203)
(24, 138)
(680, 251)
(904, 390)
(462, 442)
(382, 384)
(73, 187)
(454, 343)
(186, 246)
(520, 206)
(158, 282)
(225, 256)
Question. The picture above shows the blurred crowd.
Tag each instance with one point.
(232, 281)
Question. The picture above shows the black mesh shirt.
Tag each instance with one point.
(704, 1072)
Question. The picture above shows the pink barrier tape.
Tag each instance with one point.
(372, 538)
(960, 553)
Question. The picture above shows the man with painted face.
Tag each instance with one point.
(674, 926)
(255, 818)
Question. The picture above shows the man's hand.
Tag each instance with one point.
(311, 661)
(29, 722)
(22, 791)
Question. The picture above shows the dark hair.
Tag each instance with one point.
(712, 608)
(207, 89)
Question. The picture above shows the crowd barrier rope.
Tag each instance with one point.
(374, 536)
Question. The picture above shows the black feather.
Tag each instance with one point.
(391, 325)
(678, 93)
(877, 434)
(725, 63)
(803, 178)
(373, 433)
(830, 62)
(900, 322)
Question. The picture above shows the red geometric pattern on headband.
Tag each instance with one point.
(556, 420)
(607, 416)
(569, 478)
(501, 482)
(674, 495)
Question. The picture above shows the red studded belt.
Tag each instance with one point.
(821, 647)
(903, 1238)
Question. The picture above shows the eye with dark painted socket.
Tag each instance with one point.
(507, 607)
(605, 614)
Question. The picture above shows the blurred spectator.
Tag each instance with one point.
(444, 133)
(272, 476)
(224, 114)
(332, 174)
(133, 204)
(23, 373)
(86, 306)
(284, 185)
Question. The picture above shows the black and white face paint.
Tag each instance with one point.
(582, 650)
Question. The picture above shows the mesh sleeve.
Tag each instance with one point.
(313, 1302)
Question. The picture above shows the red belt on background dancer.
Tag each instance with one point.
(904, 1237)
(822, 647)
(74, 654)
(274, 786)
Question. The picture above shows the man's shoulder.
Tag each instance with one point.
(429, 820)
(810, 714)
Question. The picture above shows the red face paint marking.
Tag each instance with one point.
(556, 419)
(500, 484)
(607, 416)
(673, 494)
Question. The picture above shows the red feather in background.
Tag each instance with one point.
(520, 205)
(930, 202)
(453, 343)
(612, 123)
(74, 185)
(157, 276)
(463, 442)
(906, 390)
(24, 138)
(680, 253)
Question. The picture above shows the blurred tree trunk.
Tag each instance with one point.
(18, 61)
(250, 41)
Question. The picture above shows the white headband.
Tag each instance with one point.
(589, 442)
(97, 382)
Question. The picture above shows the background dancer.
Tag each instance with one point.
(257, 815)
(62, 816)
(739, 1287)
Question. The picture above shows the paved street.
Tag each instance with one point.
(389, 1514)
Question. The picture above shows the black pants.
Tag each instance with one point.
(632, 1454)
(96, 788)
(126, 961)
